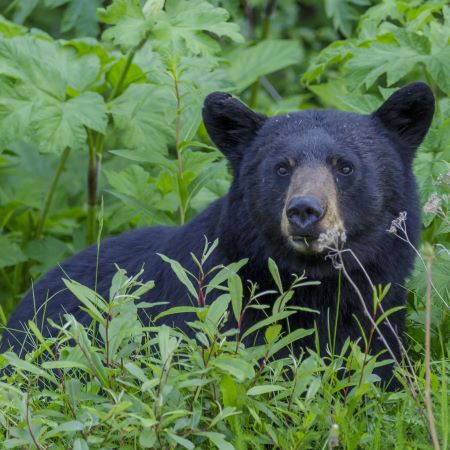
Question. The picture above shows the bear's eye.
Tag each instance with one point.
(345, 169)
(282, 170)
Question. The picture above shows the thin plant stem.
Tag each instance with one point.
(428, 402)
(96, 149)
(51, 191)
(93, 169)
(178, 141)
(270, 6)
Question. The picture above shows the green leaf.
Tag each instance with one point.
(67, 427)
(275, 274)
(218, 439)
(236, 293)
(47, 65)
(266, 389)
(64, 364)
(183, 25)
(268, 321)
(129, 24)
(217, 310)
(10, 254)
(181, 440)
(62, 124)
(240, 369)
(271, 334)
(142, 118)
(438, 64)
(80, 444)
(270, 55)
(9, 29)
(80, 17)
(181, 274)
(291, 337)
(224, 274)
(147, 438)
(94, 304)
(396, 58)
(343, 13)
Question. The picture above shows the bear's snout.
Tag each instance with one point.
(311, 208)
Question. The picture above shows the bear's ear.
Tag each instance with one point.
(230, 124)
(407, 114)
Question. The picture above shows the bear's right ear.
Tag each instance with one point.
(230, 124)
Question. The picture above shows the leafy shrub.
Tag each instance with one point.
(104, 110)
(155, 387)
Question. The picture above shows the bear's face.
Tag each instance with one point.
(314, 173)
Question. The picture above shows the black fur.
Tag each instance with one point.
(247, 220)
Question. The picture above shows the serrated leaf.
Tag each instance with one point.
(141, 117)
(183, 24)
(62, 124)
(47, 65)
(129, 24)
(438, 64)
(343, 14)
(396, 57)
(270, 55)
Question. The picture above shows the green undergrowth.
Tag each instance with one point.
(121, 384)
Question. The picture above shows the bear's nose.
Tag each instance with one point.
(303, 212)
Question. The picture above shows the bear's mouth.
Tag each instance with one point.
(305, 239)
(306, 244)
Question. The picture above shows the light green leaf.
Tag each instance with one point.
(62, 124)
(129, 24)
(67, 427)
(181, 274)
(47, 65)
(183, 24)
(236, 293)
(142, 118)
(438, 64)
(268, 388)
(396, 58)
(80, 444)
(343, 14)
(237, 367)
(275, 274)
(218, 439)
(270, 55)
(287, 340)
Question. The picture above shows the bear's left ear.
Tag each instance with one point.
(407, 114)
(230, 124)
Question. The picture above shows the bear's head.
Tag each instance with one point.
(323, 171)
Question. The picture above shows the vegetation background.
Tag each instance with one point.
(100, 132)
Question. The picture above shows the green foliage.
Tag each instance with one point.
(100, 103)
(126, 107)
(158, 388)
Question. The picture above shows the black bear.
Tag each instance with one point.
(296, 177)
